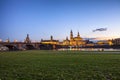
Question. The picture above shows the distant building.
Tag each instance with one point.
(110, 42)
(15, 41)
(116, 41)
(89, 43)
(7, 40)
(66, 42)
(27, 40)
(105, 42)
(51, 41)
(76, 41)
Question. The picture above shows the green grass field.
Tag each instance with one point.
(59, 65)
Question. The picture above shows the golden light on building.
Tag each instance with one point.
(105, 42)
(76, 41)
(66, 42)
(51, 41)
(110, 42)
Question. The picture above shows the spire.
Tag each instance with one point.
(51, 38)
(71, 31)
(27, 35)
(27, 40)
(66, 38)
(78, 35)
(41, 40)
(71, 34)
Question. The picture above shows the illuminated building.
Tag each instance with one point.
(105, 42)
(76, 41)
(51, 41)
(66, 42)
(110, 42)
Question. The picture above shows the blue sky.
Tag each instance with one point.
(43, 18)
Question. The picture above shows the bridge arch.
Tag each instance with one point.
(29, 47)
(11, 47)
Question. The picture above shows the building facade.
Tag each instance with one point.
(51, 41)
(116, 41)
(74, 41)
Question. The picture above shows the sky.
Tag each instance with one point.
(43, 18)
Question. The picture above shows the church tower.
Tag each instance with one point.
(27, 40)
(78, 35)
(71, 35)
(51, 37)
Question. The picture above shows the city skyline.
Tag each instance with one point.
(43, 18)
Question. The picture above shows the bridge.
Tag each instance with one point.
(28, 45)
(12, 46)
(21, 45)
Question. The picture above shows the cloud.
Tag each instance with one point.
(100, 29)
